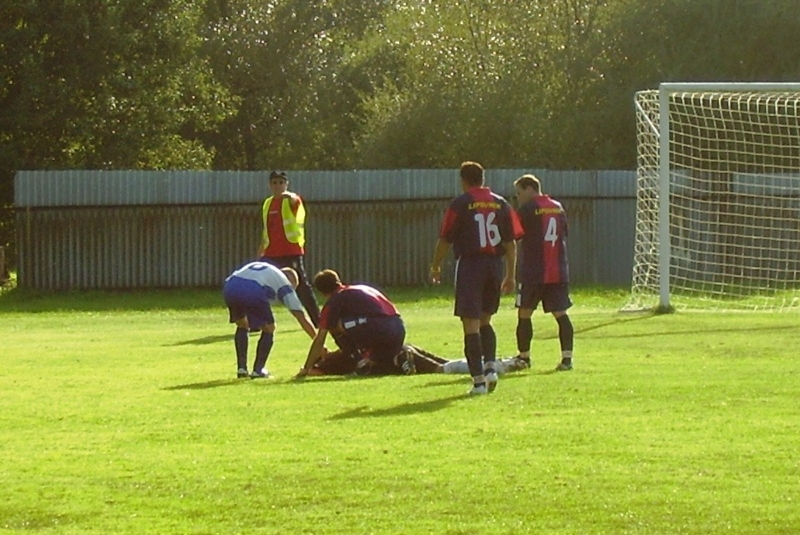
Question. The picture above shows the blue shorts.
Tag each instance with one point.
(478, 281)
(554, 297)
(246, 298)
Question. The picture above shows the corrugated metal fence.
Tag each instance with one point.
(138, 229)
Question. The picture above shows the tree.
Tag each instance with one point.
(101, 84)
(282, 60)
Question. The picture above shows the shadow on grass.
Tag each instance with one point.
(464, 380)
(399, 410)
(228, 337)
(205, 340)
(208, 384)
(617, 321)
(270, 383)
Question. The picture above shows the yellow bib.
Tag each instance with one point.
(293, 224)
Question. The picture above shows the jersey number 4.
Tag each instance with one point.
(551, 234)
(488, 231)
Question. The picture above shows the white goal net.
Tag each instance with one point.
(718, 197)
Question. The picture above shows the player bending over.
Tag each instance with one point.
(248, 292)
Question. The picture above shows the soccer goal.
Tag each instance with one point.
(718, 197)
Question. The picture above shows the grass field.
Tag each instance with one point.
(120, 414)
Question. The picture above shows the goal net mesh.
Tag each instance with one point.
(734, 200)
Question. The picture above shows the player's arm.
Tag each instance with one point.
(314, 352)
(510, 257)
(294, 199)
(515, 232)
(304, 322)
(442, 246)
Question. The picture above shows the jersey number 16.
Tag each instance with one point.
(488, 231)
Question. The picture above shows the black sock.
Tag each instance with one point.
(488, 343)
(240, 343)
(474, 352)
(524, 334)
(566, 334)
(262, 350)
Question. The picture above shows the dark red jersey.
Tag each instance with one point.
(542, 255)
(354, 303)
(479, 222)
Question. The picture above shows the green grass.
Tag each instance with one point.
(119, 414)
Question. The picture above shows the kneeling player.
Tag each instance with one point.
(362, 322)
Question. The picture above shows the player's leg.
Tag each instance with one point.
(455, 366)
(383, 339)
(488, 341)
(263, 349)
(260, 316)
(566, 334)
(490, 303)
(424, 361)
(524, 334)
(240, 343)
(304, 290)
(557, 301)
(235, 292)
(528, 297)
(344, 341)
(473, 349)
(489, 346)
(468, 307)
(428, 355)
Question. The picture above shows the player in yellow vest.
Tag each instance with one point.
(283, 238)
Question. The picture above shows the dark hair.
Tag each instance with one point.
(529, 181)
(327, 281)
(472, 173)
(278, 174)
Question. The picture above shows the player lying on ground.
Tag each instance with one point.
(412, 359)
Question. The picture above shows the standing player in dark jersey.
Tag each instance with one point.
(543, 272)
(482, 228)
(362, 321)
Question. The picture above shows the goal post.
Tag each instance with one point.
(718, 197)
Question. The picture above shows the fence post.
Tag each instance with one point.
(3, 272)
